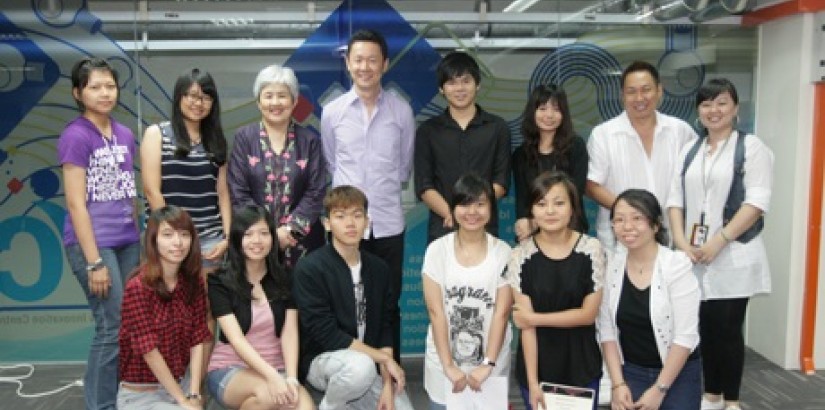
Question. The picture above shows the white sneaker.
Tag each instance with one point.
(712, 405)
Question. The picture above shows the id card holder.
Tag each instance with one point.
(699, 235)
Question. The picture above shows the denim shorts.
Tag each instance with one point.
(218, 379)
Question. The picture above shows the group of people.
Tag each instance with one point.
(258, 278)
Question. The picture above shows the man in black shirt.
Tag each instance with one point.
(463, 139)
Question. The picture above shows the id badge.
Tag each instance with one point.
(699, 235)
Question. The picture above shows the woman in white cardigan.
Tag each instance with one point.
(648, 320)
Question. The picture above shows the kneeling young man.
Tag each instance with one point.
(346, 309)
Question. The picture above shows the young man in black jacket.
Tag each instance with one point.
(346, 309)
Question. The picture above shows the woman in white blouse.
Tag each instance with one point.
(725, 245)
(648, 320)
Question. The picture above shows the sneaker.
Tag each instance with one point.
(713, 405)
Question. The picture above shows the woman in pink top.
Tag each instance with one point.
(255, 363)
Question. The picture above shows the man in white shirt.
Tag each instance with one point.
(638, 148)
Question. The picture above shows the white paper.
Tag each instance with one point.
(561, 397)
(493, 396)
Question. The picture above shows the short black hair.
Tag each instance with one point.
(456, 64)
(640, 66)
(645, 203)
(545, 181)
(470, 188)
(370, 36)
(82, 70)
(713, 88)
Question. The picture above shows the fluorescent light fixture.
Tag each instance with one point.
(519, 6)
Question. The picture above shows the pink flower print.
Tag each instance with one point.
(283, 220)
(287, 218)
(285, 199)
(286, 155)
(253, 160)
(270, 177)
(284, 178)
(268, 154)
(269, 199)
(302, 163)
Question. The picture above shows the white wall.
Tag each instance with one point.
(784, 121)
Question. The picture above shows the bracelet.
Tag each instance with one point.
(95, 265)
(293, 380)
(196, 396)
(616, 386)
(725, 237)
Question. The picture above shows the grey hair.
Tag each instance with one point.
(276, 74)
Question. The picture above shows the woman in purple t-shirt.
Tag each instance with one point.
(100, 234)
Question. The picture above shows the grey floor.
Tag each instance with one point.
(765, 387)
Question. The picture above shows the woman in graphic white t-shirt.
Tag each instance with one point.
(467, 298)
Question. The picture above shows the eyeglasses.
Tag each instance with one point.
(202, 98)
(634, 220)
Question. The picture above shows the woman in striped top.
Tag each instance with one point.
(183, 162)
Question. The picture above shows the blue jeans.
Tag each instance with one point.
(593, 384)
(685, 392)
(100, 382)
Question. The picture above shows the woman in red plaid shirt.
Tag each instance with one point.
(163, 326)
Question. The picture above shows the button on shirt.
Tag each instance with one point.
(444, 152)
(618, 161)
(374, 154)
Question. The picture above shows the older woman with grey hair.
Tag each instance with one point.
(279, 165)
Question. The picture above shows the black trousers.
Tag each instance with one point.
(723, 345)
(391, 250)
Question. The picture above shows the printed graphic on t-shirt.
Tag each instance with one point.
(466, 335)
(360, 309)
(105, 180)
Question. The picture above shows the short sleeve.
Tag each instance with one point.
(676, 198)
(758, 178)
(599, 164)
(685, 298)
(433, 265)
(199, 312)
(518, 256)
(220, 297)
(138, 317)
(502, 260)
(594, 250)
(72, 149)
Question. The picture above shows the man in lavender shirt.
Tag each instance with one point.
(368, 136)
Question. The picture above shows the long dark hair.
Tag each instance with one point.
(646, 204)
(235, 266)
(189, 272)
(214, 142)
(563, 140)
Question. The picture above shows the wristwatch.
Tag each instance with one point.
(663, 388)
(95, 266)
(488, 362)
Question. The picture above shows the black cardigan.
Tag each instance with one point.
(323, 291)
(224, 300)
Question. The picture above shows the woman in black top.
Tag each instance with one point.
(556, 276)
(255, 362)
(648, 322)
(550, 143)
